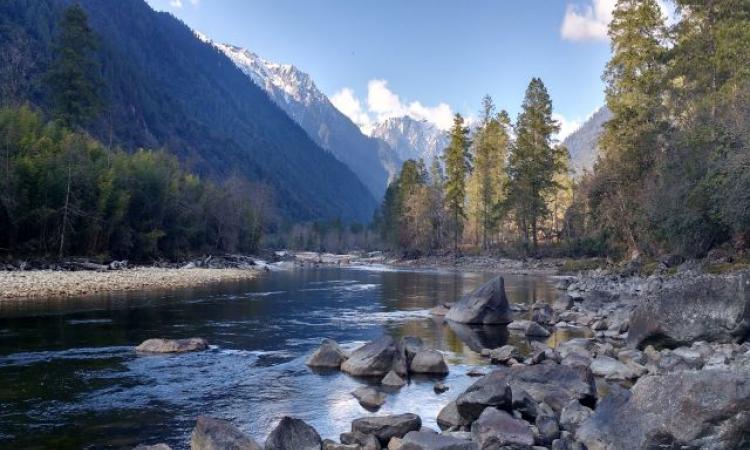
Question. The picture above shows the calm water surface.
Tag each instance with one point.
(69, 377)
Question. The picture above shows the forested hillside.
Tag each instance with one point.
(164, 88)
(583, 144)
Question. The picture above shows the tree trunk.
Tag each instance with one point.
(65, 213)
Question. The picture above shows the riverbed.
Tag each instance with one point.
(70, 377)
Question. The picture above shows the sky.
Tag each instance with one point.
(425, 58)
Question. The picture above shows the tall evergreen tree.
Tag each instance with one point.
(534, 160)
(457, 166)
(73, 77)
(634, 80)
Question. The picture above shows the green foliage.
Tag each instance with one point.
(534, 161)
(62, 189)
(73, 79)
(457, 166)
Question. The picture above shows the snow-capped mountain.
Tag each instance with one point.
(412, 139)
(295, 92)
(583, 143)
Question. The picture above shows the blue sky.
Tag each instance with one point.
(426, 58)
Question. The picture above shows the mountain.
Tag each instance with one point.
(412, 139)
(295, 92)
(583, 143)
(166, 88)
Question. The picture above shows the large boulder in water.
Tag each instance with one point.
(375, 359)
(215, 434)
(420, 440)
(486, 305)
(328, 355)
(429, 362)
(172, 345)
(686, 409)
(293, 434)
(709, 308)
(386, 427)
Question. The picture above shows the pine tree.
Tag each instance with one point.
(534, 160)
(634, 80)
(457, 166)
(73, 77)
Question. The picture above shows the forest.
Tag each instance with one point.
(672, 176)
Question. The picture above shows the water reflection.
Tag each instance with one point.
(70, 378)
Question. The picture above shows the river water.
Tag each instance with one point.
(69, 377)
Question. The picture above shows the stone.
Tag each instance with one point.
(369, 398)
(536, 330)
(486, 305)
(440, 387)
(491, 390)
(686, 409)
(293, 434)
(392, 379)
(611, 369)
(417, 440)
(474, 373)
(361, 440)
(439, 311)
(429, 362)
(573, 414)
(330, 445)
(562, 303)
(328, 355)
(216, 434)
(496, 428)
(541, 313)
(172, 345)
(710, 308)
(448, 417)
(386, 427)
(548, 429)
(524, 404)
(374, 359)
(503, 354)
(411, 346)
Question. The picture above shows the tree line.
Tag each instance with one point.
(65, 193)
(673, 171)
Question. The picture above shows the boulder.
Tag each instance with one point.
(331, 445)
(417, 440)
(369, 398)
(429, 362)
(172, 345)
(573, 414)
(328, 355)
(392, 379)
(411, 346)
(215, 434)
(710, 308)
(480, 337)
(541, 313)
(450, 418)
(536, 330)
(612, 369)
(496, 428)
(504, 354)
(361, 440)
(386, 427)
(374, 359)
(548, 428)
(293, 434)
(440, 387)
(686, 409)
(486, 305)
(490, 390)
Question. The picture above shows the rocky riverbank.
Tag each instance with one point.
(666, 366)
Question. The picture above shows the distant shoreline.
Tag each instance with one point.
(36, 284)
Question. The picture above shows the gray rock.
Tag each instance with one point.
(573, 414)
(330, 445)
(386, 427)
(392, 379)
(429, 362)
(612, 369)
(293, 434)
(440, 387)
(369, 398)
(361, 440)
(711, 308)
(172, 345)
(548, 428)
(417, 440)
(686, 409)
(374, 359)
(411, 346)
(496, 428)
(503, 354)
(329, 355)
(485, 305)
(490, 390)
(439, 311)
(536, 330)
(450, 418)
(541, 313)
(215, 434)
(524, 404)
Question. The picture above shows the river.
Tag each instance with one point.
(69, 377)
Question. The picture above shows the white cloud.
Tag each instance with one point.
(179, 3)
(567, 126)
(383, 103)
(590, 22)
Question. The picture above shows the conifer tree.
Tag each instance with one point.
(534, 160)
(457, 166)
